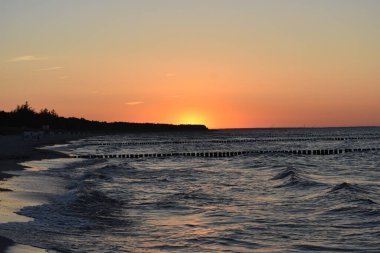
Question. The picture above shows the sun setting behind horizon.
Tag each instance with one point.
(191, 119)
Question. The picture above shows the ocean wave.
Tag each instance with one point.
(291, 177)
(354, 210)
(286, 173)
(349, 199)
(365, 201)
(319, 248)
(113, 168)
(348, 187)
(191, 200)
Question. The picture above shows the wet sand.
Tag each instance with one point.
(5, 243)
(14, 150)
(9, 246)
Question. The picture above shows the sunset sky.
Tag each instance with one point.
(235, 63)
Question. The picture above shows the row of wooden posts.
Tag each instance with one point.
(230, 154)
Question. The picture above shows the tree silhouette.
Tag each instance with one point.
(25, 117)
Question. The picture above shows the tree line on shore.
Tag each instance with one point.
(24, 117)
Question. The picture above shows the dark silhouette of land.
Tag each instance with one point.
(24, 117)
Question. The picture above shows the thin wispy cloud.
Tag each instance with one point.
(134, 103)
(25, 58)
(51, 69)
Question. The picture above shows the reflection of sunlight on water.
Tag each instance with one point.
(177, 220)
(188, 224)
(192, 228)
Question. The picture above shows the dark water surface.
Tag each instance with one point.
(247, 203)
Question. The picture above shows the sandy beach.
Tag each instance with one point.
(15, 149)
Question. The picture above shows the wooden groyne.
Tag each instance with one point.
(219, 154)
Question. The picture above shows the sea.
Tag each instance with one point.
(242, 190)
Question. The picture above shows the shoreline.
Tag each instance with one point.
(5, 243)
(14, 149)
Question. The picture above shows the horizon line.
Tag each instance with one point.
(294, 127)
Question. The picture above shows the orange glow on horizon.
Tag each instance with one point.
(192, 119)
